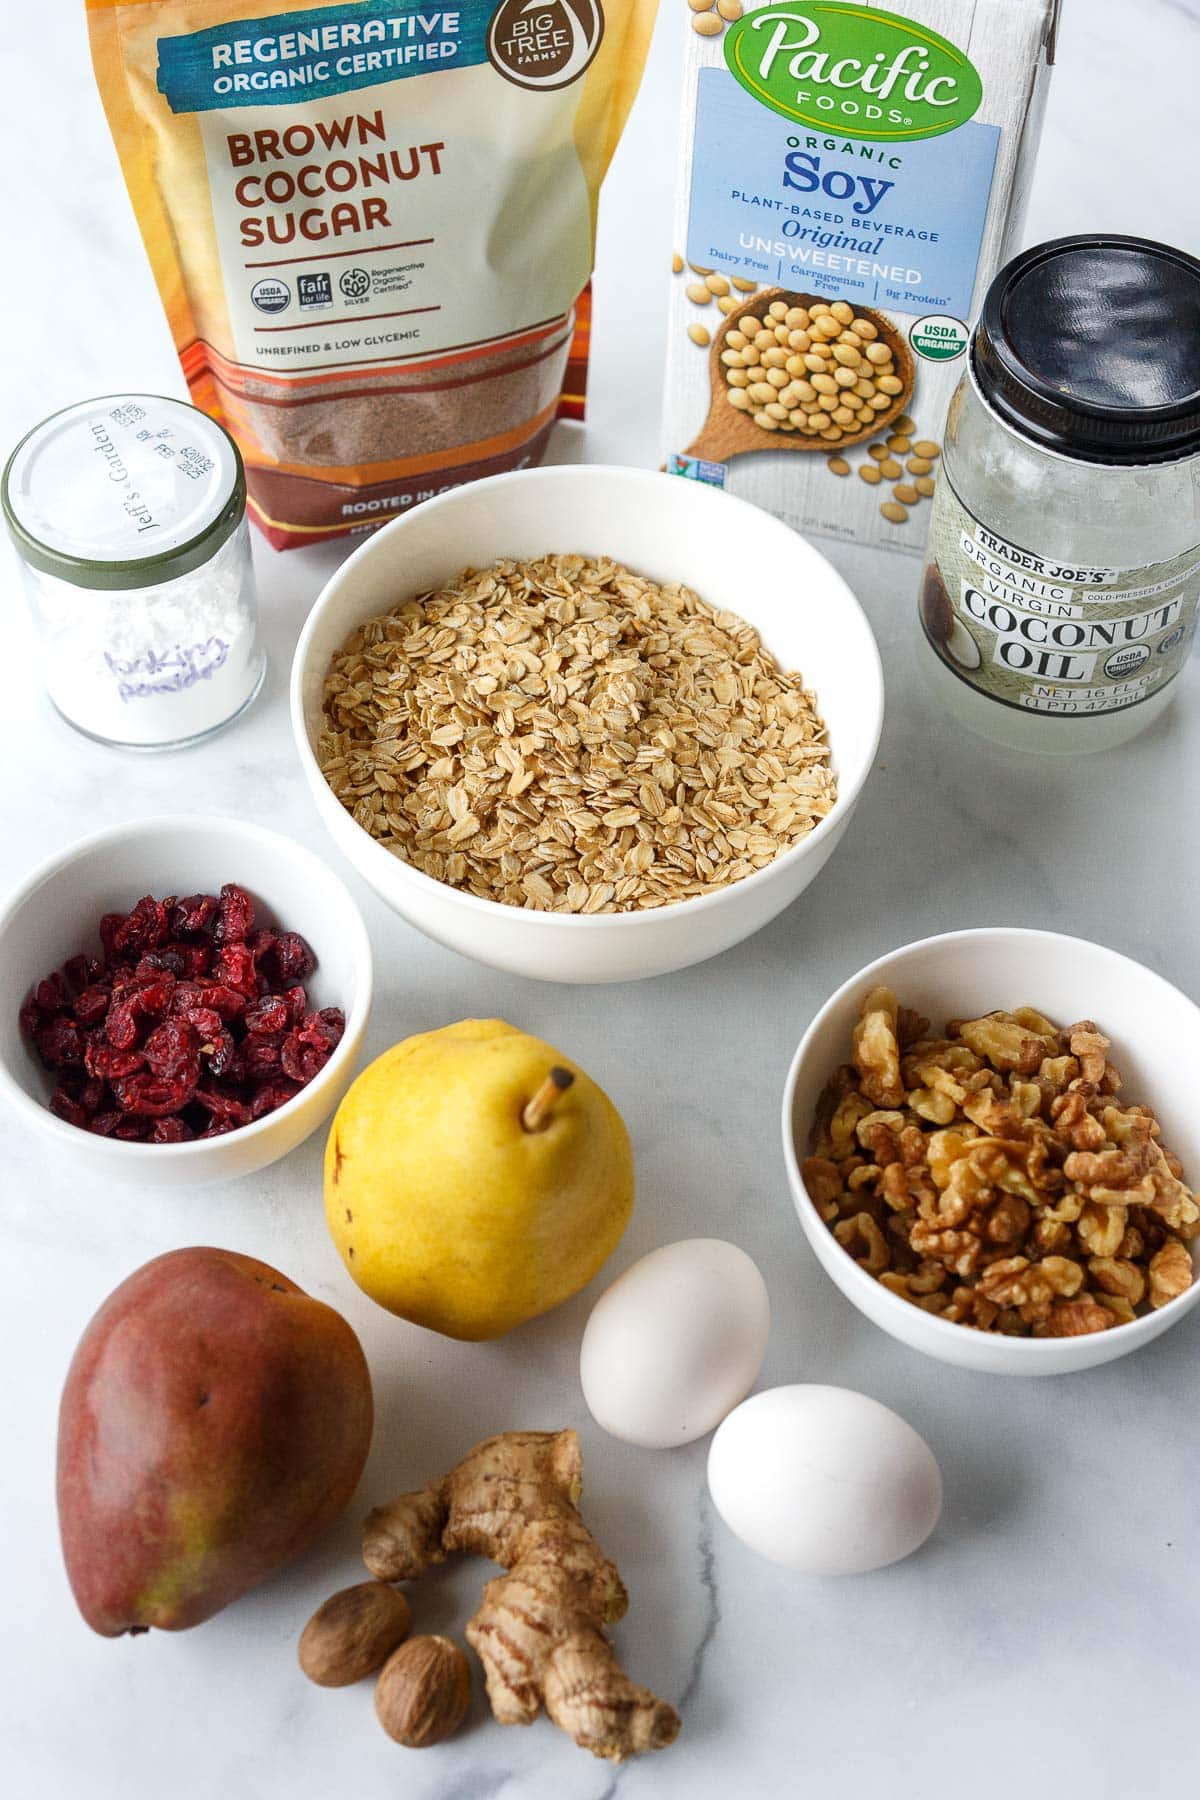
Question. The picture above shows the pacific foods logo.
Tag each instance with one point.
(853, 70)
(544, 44)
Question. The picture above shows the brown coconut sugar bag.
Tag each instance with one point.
(372, 226)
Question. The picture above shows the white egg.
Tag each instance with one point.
(824, 1480)
(675, 1342)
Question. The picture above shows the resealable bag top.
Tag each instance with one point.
(372, 227)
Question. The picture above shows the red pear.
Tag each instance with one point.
(215, 1420)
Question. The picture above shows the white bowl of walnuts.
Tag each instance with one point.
(991, 1137)
(584, 723)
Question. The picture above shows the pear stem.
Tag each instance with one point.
(536, 1115)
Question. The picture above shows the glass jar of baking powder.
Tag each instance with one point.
(1059, 597)
(129, 517)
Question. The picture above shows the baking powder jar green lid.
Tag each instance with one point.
(123, 492)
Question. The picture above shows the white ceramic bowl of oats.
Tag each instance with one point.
(666, 529)
(1155, 1045)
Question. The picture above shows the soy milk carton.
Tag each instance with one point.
(851, 177)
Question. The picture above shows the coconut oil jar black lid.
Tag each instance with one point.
(1090, 346)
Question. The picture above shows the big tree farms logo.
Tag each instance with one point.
(544, 44)
(853, 70)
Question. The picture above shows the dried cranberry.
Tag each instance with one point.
(297, 1003)
(328, 1024)
(172, 1051)
(104, 1123)
(170, 1131)
(190, 916)
(292, 957)
(154, 1000)
(110, 924)
(106, 1064)
(133, 1128)
(234, 968)
(82, 971)
(150, 1097)
(272, 1095)
(303, 1055)
(63, 1107)
(60, 1044)
(155, 962)
(308, 1065)
(223, 1108)
(51, 995)
(219, 1051)
(334, 1021)
(261, 943)
(29, 1017)
(194, 959)
(236, 915)
(145, 928)
(269, 1014)
(121, 1026)
(91, 1096)
(91, 1005)
(224, 1000)
(260, 1056)
(133, 1004)
(90, 1091)
(206, 1023)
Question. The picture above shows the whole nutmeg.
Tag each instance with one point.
(423, 1692)
(354, 1633)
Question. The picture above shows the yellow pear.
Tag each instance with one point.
(475, 1177)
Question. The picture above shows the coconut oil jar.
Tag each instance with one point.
(1059, 598)
(128, 515)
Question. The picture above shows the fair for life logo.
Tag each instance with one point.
(853, 70)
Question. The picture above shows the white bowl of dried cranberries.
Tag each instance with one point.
(185, 998)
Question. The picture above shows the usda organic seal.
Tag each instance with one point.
(938, 337)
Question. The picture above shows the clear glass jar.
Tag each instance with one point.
(129, 516)
(1060, 593)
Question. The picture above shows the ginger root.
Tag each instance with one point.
(539, 1631)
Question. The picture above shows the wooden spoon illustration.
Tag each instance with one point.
(728, 432)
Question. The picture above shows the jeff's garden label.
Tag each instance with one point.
(1045, 637)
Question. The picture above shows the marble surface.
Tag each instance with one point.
(1043, 1643)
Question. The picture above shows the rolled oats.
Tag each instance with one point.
(991, 1176)
(564, 735)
